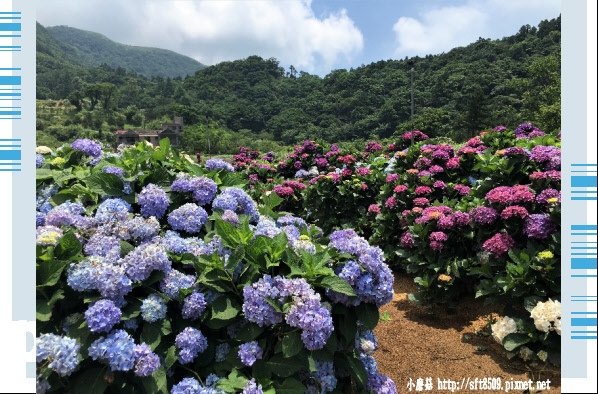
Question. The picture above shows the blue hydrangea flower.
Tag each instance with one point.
(189, 218)
(381, 384)
(251, 387)
(249, 353)
(218, 164)
(191, 342)
(237, 200)
(39, 160)
(131, 324)
(193, 306)
(186, 386)
(117, 349)
(325, 376)
(104, 246)
(47, 235)
(119, 172)
(290, 220)
(102, 316)
(89, 147)
(175, 280)
(112, 209)
(146, 362)
(153, 201)
(204, 190)
(144, 259)
(41, 385)
(62, 352)
(230, 217)
(153, 308)
(221, 351)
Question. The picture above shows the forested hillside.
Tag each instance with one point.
(512, 80)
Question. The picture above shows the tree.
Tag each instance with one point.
(107, 91)
(76, 99)
(93, 92)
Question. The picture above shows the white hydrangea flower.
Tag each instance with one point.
(542, 355)
(502, 328)
(42, 150)
(525, 353)
(545, 314)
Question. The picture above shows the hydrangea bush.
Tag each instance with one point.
(182, 283)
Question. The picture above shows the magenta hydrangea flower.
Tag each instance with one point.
(363, 171)
(392, 178)
(522, 194)
(434, 170)
(462, 189)
(439, 185)
(484, 215)
(422, 190)
(400, 189)
(514, 211)
(421, 201)
(501, 195)
(391, 202)
(499, 244)
(407, 240)
(453, 163)
(374, 209)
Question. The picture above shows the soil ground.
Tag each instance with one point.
(415, 344)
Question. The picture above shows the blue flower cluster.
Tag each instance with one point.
(189, 217)
(104, 246)
(41, 385)
(47, 235)
(153, 308)
(192, 386)
(193, 306)
(144, 259)
(250, 352)
(98, 273)
(62, 353)
(251, 387)
(324, 376)
(373, 281)
(218, 164)
(365, 344)
(221, 351)
(305, 311)
(138, 228)
(112, 209)
(236, 200)
(102, 316)
(175, 280)
(119, 172)
(191, 342)
(39, 160)
(204, 189)
(40, 219)
(146, 362)
(153, 201)
(230, 217)
(89, 147)
(117, 349)
(67, 214)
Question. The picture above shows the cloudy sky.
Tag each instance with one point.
(313, 35)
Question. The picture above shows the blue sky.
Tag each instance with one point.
(314, 35)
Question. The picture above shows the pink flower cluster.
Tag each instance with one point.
(499, 244)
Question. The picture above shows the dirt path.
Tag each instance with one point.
(415, 344)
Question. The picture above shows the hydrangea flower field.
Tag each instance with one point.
(266, 275)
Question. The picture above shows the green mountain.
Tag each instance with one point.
(86, 48)
(506, 81)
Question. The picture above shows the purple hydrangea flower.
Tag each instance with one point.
(249, 353)
(539, 226)
(191, 342)
(193, 306)
(189, 217)
(102, 316)
(89, 147)
(117, 349)
(153, 201)
(146, 362)
(62, 353)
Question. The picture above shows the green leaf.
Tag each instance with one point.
(235, 258)
(90, 381)
(125, 248)
(530, 302)
(260, 370)
(335, 283)
(250, 332)
(43, 173)
(368, 315)
(151, 334)
(156, 383)
(165, 146)
(43, 308)
(358, 370)
(289, 386)
(284, 367)
(228, 233)
(68, 246)
(513, 341)
(49, 272)
(104, 183)
(291, 344)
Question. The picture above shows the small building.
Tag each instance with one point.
(172, 131)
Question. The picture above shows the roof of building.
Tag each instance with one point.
(139, 132)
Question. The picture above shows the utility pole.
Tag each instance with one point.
(411, 63)
(208, 126)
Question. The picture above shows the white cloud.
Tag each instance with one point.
(215, 31)
(439, 30)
